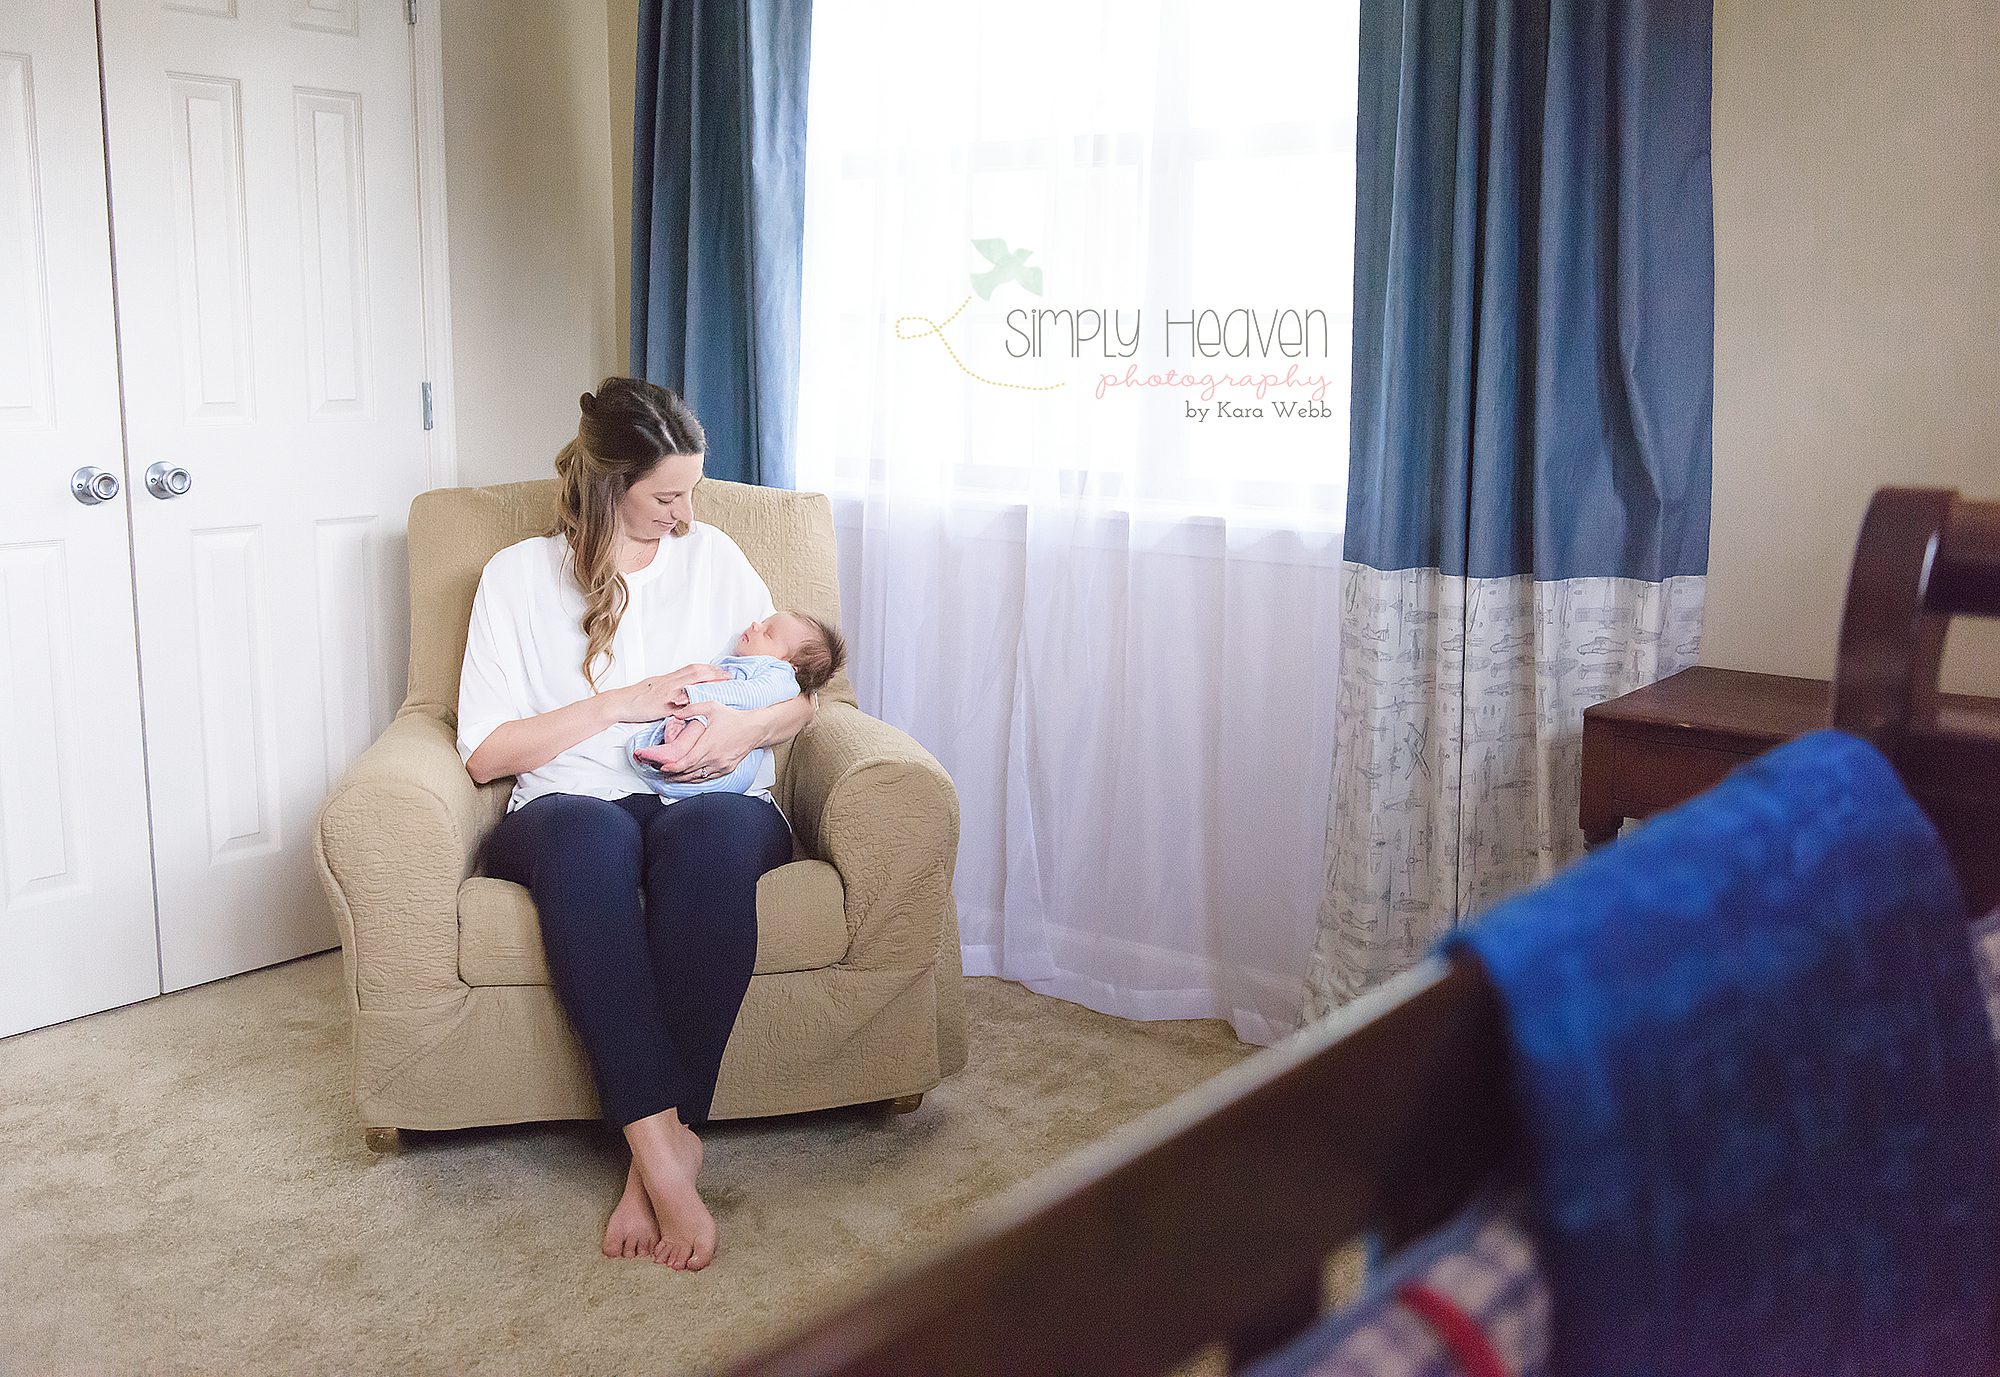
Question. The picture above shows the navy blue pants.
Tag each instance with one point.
(651, 984)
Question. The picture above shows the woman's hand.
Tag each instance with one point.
(696, 674)
(657, 695)
(734, 732)
(731, 735)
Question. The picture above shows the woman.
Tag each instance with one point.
(566, 629)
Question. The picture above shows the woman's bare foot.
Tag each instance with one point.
(667, 1154)
(632, 1232)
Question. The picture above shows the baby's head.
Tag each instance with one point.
(815, 649)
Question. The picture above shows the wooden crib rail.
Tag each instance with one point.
(1210, 1220)
(1925, 555)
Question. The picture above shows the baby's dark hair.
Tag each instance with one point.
(820, 657)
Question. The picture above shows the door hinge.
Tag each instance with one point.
(410, 9)
(427, 406)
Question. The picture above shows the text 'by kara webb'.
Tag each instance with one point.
(1236, 334)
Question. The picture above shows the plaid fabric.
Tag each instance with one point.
(1483, 1262)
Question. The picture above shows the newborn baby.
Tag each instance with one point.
(786, 654)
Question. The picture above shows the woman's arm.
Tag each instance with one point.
(735, 732)
(514, 748)
(783, 721)
(528, 743)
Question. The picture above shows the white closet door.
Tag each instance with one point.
(76, 887)
(265, 237)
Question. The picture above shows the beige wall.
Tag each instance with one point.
(622, 35)
(1857, 312)
(534, 255)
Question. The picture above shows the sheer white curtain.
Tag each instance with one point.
(1113, 621)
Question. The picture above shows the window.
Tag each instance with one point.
(1151, 162)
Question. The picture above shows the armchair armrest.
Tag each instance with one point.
(394, 841)
(876, 805)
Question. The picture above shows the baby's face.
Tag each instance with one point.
(778, 635)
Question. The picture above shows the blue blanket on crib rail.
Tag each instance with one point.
(1758, 1085)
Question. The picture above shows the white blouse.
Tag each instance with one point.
(524, 648)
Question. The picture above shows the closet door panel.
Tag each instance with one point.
(263, 165)
(76, 886)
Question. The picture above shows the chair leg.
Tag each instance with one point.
(906, 1104)
(382, 1141)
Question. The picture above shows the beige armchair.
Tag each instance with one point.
(855, 996)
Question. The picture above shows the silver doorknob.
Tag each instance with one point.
(92, 486)
(165, 480)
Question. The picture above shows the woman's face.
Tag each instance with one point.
(661, 503)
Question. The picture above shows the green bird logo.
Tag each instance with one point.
(1009, 265)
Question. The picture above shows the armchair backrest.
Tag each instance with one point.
(454, 531)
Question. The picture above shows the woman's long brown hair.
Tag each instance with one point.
(627, 427)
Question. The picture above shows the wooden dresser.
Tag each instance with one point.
(1663, 744)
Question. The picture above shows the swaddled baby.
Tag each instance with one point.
(780, 657)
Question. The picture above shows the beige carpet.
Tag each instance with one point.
(184, 1190)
